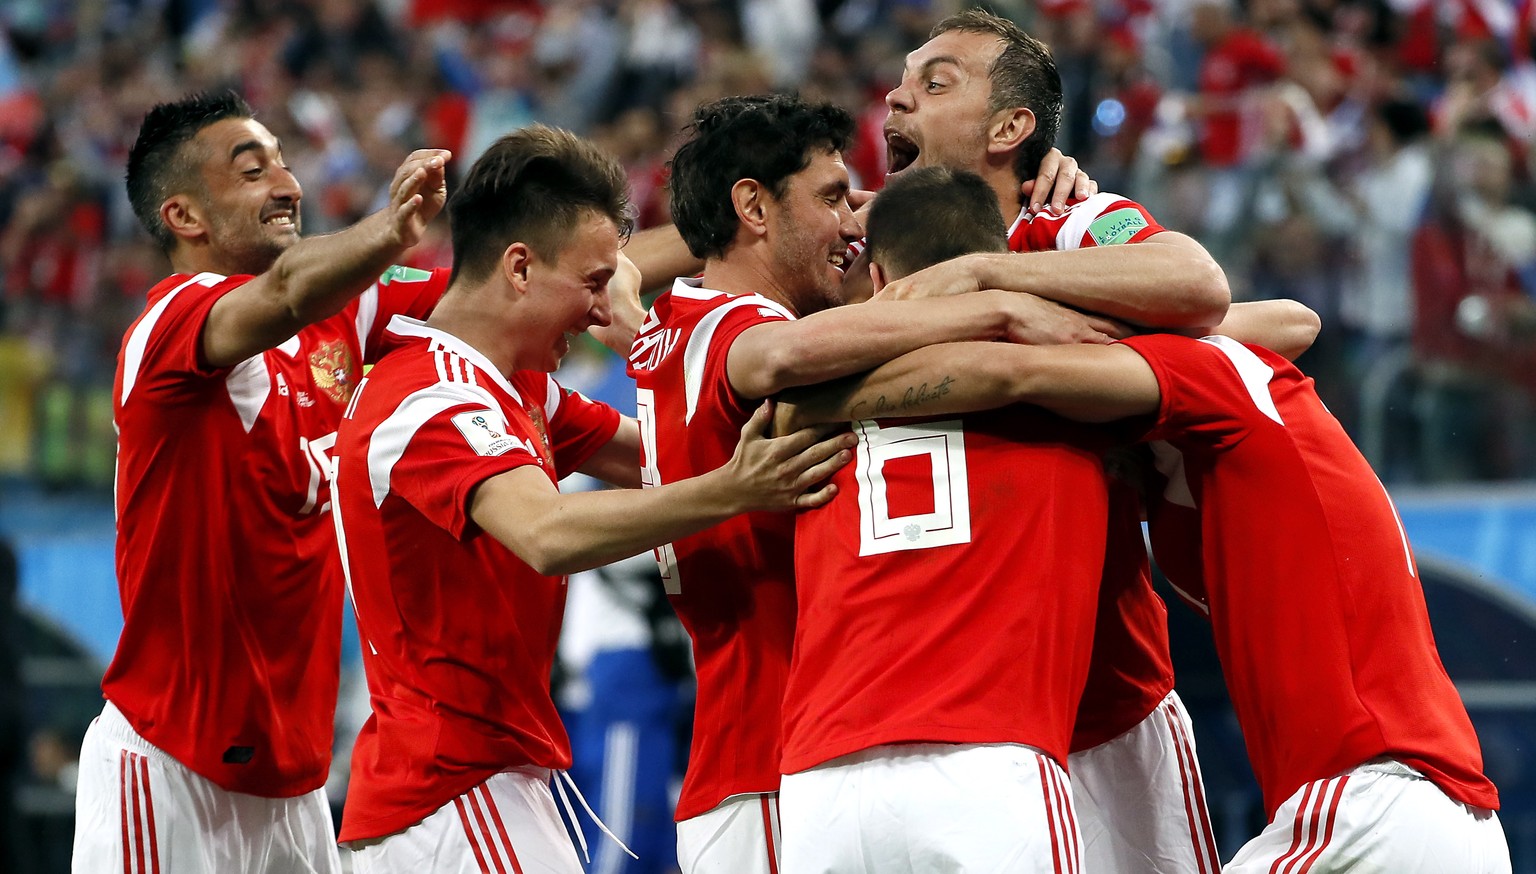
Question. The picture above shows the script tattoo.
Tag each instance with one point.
(912, 399)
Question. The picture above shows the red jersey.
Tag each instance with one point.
(225, 555)
(733, 585)
(1274, 522)
(458, 633)
(1131, 670)
(947, 594)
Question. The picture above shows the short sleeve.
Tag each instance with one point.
(438, 445)
(400, 291)
(1103, 219)
(715, 385)
(578, 427)
(1214, 390)
(163, 350)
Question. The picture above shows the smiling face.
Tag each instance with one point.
(939, 114)
(810, 228)
(250, 200)
(569, 294)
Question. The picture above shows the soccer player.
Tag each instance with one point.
(760, 193)
(1361, 747)
(455, 537)
(213, 746)
(946, 611)
(983, 96)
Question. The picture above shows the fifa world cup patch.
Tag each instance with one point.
(486, 433)
(1114, 228)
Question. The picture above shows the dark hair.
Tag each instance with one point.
(1404, 118)
(532, 186)
(768, 139)
(933, 214)
(160, 165)
(1024, 75)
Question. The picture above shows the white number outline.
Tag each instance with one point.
(949, 523)
(650, 477)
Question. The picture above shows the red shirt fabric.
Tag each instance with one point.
(226, 559)
(1240, 61)
(733, 585)
(1131, 670)
(1274, 523)
(458, 633)
(947, 594)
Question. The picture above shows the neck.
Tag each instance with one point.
(741, 273)
(473, 315)
(192, 260)
(1005, 185)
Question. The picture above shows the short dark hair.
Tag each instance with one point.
(766, 138)
(160, 165)
(1024, 74)
(932, 214)
(532, 186)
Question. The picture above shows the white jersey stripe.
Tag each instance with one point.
(552, 398)
(249, 385)
(697, 351)
(367, 313)
(1080, 216)
(393, 435)
(138, 340)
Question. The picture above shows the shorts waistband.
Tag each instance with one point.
(113, 725)
(1388, 766)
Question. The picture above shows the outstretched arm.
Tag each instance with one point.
(315, 277)
(1089, 383)
(769, 358)
(1166, 281)
(564, 533)
(1282, 326)
(662, 256)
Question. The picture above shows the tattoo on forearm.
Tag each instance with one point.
(912, 399)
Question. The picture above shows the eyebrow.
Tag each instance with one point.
(251, 146)
(929, 64)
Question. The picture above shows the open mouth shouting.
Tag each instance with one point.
(900, 152)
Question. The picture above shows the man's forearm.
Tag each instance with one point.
(662, 256)
(851, 339)
(1160, 283)
(941, 380)
(318, 276)
(565, 533)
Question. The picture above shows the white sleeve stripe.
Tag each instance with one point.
(389, 440)
(138, 340)
(552, 398)
(1080, 217)
(697, 351)
(437, 360)
(249, 385)
(1254, 373)
(367, 313)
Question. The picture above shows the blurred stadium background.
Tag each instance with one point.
(1371, 158)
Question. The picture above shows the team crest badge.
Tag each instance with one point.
(331, 368)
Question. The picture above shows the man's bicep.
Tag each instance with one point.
(617, 462)
(750, 366)
(506, 505)
(1091, 383)
(246, 321)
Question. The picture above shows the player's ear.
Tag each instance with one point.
(183, 215)
(750, 200)
(877, 276)
(516, 262)
(1009, 129)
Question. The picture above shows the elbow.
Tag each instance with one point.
(550, 559)
(1209, 295)
(1305, 325)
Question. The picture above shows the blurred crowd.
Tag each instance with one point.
(1371, 158)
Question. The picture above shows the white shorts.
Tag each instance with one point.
(1380, 816)
(740, 835)
(921, 808)
(1140, 800)
(139, 811)
(508, 823)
